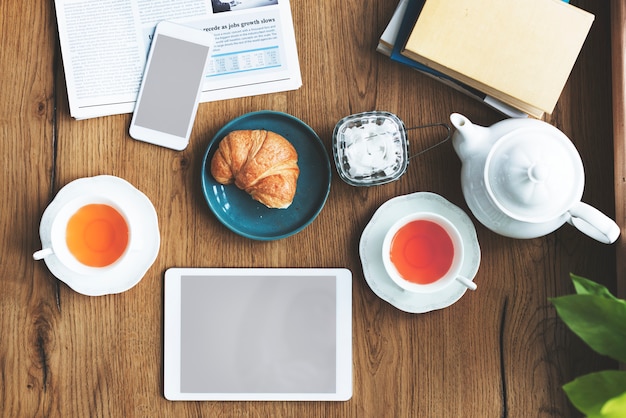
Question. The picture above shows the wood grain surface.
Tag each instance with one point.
(499, 352)
(618, 59)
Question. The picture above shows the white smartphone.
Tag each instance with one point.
(171, 85)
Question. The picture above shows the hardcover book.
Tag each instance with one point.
(520, 52)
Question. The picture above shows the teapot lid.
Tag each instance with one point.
(534, 174)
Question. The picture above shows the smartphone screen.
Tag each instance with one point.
(168, 97)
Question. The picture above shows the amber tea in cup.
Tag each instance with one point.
(89, 233)
(97, 235)
(423, 252)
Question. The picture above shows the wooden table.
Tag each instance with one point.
(499, 352)
(618, 64)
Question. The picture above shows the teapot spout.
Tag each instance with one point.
(468, 139)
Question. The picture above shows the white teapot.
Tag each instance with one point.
(523, 178)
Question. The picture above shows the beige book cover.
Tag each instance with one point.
(519, 51)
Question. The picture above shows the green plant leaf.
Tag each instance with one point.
(588, 287)
(615, 407)
(598, 394)
(599, 321)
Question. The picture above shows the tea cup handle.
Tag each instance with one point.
(593, 223)
(467, 282)
(38, 255)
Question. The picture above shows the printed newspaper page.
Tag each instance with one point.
(104, 45)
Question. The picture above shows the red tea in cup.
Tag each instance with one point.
(422, 251)
(97, 235)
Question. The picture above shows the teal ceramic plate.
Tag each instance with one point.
(249, 218)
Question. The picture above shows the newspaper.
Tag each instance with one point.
(104, 45)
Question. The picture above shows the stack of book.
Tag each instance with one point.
(515, 56)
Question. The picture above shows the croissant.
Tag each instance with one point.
(263, 163)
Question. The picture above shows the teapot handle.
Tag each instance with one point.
(594, 223)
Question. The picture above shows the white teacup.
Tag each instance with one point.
(423, 253)
(100, 241)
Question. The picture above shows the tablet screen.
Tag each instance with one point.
(258, 334)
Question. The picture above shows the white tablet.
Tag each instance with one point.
(258, 334)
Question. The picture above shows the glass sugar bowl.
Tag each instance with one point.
(370, 148)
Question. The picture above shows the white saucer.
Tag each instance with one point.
(370, 250)
(122, 276)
